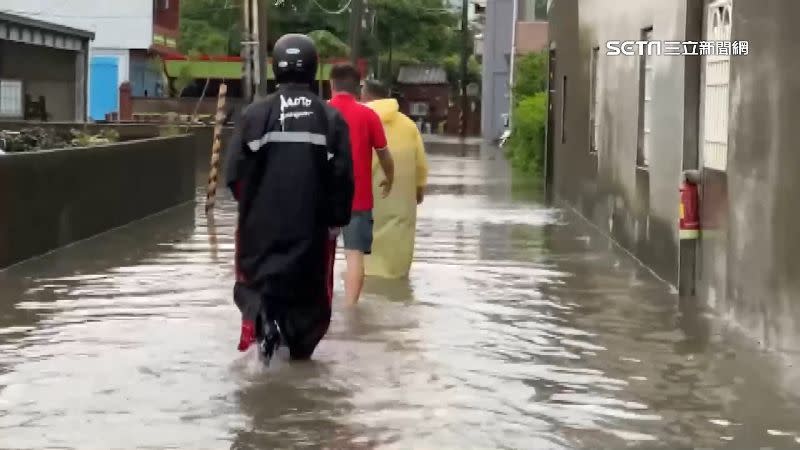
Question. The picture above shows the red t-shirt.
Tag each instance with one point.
(366, 134)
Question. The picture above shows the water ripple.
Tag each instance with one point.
(519, 328)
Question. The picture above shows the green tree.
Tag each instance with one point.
(452, 65)
(530, 75)
(526, 145)
(411, 30)
(210, 27)
(328, 44)
(425, 27)
(527, 142)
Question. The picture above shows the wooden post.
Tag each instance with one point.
(216, 147)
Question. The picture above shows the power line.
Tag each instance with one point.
(336, 12)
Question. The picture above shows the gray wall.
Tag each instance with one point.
(750, 241)
(52, 198)
(638, 207)
(496, 52)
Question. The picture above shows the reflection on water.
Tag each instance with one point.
(518, 328)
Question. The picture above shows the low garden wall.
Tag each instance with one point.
(202, 135)
(51, 198)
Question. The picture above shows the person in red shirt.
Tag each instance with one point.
(366, 135)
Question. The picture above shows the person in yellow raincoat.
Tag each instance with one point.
(395, 217)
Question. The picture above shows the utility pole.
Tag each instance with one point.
(356, 12)
(262, 36)
(464, 64)
(511, 73)
(247, 53)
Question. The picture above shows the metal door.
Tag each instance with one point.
(103, 86)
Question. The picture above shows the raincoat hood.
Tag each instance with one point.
(387, 109)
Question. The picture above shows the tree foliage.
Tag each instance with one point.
(452, 65)
(210, 27)
(529, 118)
(424, 30)
(526, 146)
(530, 75)
(328, 44)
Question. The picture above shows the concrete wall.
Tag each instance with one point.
(47, 72)
(750, 244)
(120, 24)
(636, 206)
(496, 60)
(52, 198)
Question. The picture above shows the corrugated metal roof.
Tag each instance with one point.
(422, 75)
(42, 25)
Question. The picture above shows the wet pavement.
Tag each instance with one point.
(519, 328)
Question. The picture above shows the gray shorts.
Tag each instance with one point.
(357, 235)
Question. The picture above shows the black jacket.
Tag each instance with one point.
(290, 168)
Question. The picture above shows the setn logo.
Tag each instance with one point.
(631, 48)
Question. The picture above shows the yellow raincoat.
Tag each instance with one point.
(396, 215)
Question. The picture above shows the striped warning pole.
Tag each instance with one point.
(213, 174)
(461, 125)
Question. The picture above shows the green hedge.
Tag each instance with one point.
(527, 140)
(526, 145)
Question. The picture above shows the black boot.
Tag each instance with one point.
(271, 338)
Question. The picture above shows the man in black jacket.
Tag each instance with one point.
(290, 169)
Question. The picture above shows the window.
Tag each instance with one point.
(645, 102)
(593, 104)
(716, 88)
(564, 111)
(418, 109)
(11, 98)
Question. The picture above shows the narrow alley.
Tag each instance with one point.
(521, 327)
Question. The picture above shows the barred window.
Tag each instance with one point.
(716, 95)
(645, 102)
(11, 98)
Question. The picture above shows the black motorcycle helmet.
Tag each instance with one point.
(294, 59)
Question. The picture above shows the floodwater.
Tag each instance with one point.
(519, 328)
